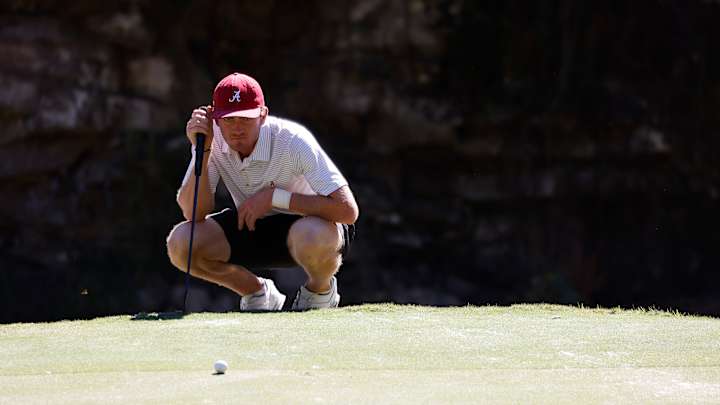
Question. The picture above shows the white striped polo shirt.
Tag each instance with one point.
(286, 154)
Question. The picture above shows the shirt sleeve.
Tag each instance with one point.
(213, 175)
(316, 166)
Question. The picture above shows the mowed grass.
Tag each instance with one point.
(369, 354)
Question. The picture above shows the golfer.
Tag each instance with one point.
(292, 205)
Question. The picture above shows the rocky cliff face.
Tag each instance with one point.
(500, 152)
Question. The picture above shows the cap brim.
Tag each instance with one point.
(252, 113)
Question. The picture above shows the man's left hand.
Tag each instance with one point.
(254, 207)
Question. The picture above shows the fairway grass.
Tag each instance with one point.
(378, 353)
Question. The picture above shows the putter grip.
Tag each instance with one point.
(199, 152)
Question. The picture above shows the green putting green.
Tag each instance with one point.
(378, 353)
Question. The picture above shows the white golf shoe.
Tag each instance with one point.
(267, 299)
(306, 299)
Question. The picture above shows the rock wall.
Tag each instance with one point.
(500, 151)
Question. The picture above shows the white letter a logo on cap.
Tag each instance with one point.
(235, 97)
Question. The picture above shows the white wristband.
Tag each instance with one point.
(281, 198)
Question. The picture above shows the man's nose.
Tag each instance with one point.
(235, 123)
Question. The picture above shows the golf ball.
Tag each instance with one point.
(221, 366)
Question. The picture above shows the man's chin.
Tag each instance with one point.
(234, 144)
(239, 148)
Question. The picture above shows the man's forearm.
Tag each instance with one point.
(324, 207)
(206, 200)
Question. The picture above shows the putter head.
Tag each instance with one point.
(157, 316)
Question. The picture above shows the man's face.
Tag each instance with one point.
(241, 133)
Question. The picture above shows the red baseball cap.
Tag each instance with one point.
(238, 95)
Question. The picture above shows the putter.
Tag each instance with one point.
(199, 151)
(155, 316)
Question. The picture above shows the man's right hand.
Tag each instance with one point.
(200, 122)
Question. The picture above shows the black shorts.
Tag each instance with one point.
(266, 246)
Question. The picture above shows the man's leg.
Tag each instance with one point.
(211, 251)
(315, 244)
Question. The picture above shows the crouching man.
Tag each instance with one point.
(292, 204)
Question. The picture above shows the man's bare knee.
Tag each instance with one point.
(209, 243)
(177, 245)
(314, 241)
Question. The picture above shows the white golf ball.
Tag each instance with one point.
(221, 366)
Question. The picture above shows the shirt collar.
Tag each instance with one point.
(262, 147)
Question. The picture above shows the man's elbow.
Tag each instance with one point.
(199, 216)
(187, 211)
(351, 214)
(187, 214)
